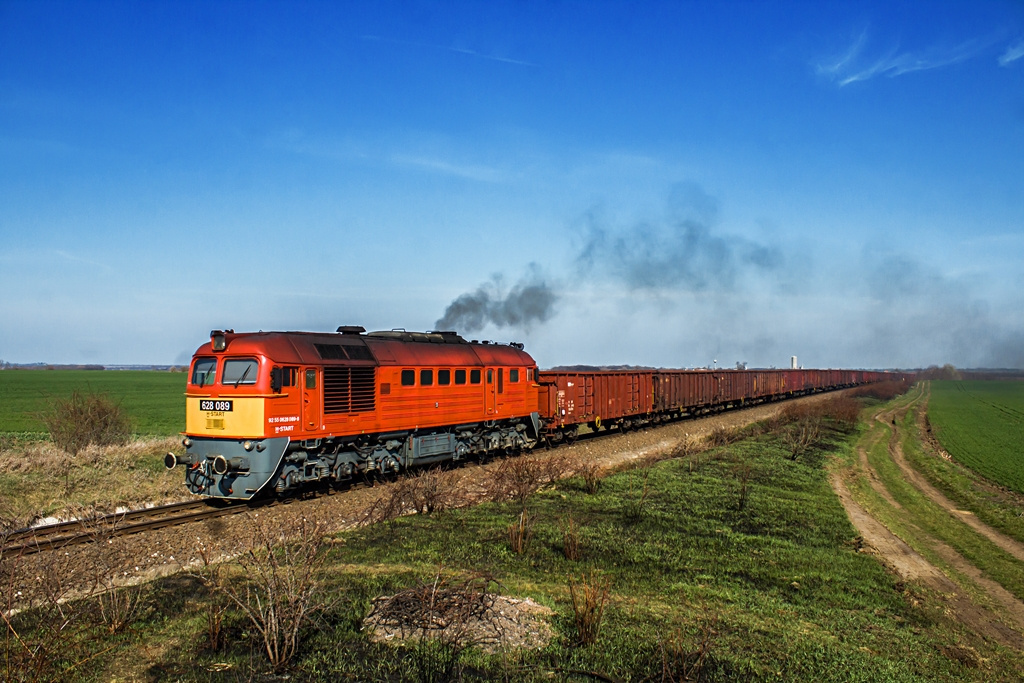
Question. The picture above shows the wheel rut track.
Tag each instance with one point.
(1007, 626)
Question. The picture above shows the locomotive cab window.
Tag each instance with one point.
(474, 377)
(408, 378)
(240, 371)
(204, 372)
(513, 375)
(444, 377)
(460, 376)
(311, 379)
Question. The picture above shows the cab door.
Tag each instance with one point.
(310, 399)
(490, 392)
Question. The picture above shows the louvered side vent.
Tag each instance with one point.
(349, 390)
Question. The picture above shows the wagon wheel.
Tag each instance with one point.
(570, 436)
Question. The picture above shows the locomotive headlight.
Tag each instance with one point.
(247, 445)
(186, 442)
(217, 340)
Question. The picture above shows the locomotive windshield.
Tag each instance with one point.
(240, 371)
(204, 371)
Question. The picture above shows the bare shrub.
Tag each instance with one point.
(721, 436)
(802, 435)
(520, 532)
(685, 656)
(85, 419)
(520, 477)
(589, 595)
(424, 492)
(794, 412)
(571, 540)
(844, 411)
(592, 475)
(883, 391)
(279, 591)
(117, 605)
(689, 445)
(46, 640)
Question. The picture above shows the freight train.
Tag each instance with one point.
(268, 413)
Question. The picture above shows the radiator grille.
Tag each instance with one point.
(349, 390)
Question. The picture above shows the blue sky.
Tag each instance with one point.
(670, 184)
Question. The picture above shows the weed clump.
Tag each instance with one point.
(589, 595)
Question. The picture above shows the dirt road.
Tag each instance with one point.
(1004, 620)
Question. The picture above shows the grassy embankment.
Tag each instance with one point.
(37, 479)
(739, 560)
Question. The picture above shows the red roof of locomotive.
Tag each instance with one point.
(387, 348)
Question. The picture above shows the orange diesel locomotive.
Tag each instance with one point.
(272, 411)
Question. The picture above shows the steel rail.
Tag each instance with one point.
(75, 532)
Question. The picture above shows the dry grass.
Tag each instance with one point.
(38, 480)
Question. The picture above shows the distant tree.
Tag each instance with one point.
(947, 371)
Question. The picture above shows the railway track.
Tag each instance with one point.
(63, 534)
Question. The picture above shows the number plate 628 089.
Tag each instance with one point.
(219, 406)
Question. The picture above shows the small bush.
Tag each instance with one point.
(842, 410)
(424, 492)
(87, 419)
(519, 478)
(571, 540)
(280, 590)
(592, 475)
(687, 446)
(721, 436)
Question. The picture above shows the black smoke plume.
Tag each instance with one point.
(529, 301)
(682, 252)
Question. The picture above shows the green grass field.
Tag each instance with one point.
(154, 400)
(981, 424)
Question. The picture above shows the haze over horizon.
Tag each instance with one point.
(661, 184)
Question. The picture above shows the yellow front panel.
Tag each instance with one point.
(245, 419)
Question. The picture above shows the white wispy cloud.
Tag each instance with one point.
(449, 48)
(476, 172)
(855, 65)
(1012, 54)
